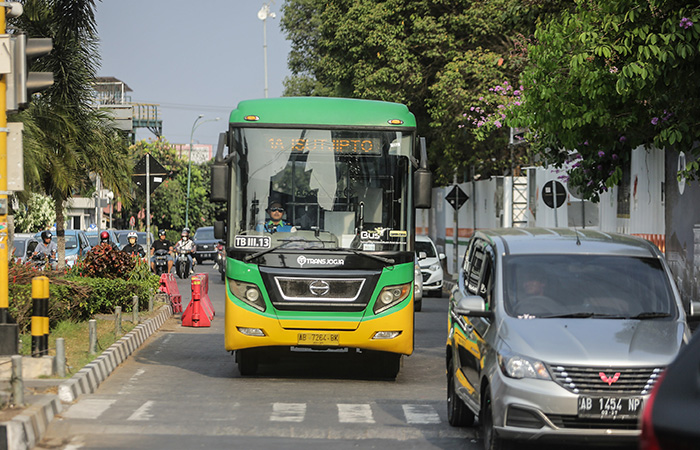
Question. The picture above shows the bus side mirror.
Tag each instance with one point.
(423, 184)
(423, 181)
(219, 183)
(219, 230)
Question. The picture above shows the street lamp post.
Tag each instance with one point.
(263, 14)
(195, 125)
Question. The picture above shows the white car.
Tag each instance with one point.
(430, 262)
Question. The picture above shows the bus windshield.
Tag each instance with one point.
(338, 188)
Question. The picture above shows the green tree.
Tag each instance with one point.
(611, 76)
(38, 213)
(65, 137)
(436, 57)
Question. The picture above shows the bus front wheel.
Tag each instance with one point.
(388, 365)
(247, 360)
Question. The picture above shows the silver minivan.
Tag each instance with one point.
(558, 334)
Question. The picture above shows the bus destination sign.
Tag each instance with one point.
(352, 146)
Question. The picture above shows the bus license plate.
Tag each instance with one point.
(318, 339)
(609, 407)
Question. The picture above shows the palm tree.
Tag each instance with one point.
(65, 137)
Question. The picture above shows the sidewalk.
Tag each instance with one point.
(44, 398)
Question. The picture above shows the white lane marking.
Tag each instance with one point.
(354, 413)
(162, 343)
(89, 408)
(288, 412)
(420, 414)
(130, 384)
(143, 413)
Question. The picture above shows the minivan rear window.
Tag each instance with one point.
(587, 286)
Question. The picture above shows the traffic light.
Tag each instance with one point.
(22, 83)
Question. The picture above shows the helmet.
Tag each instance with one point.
(132, 234)
(161, 232)
(46, 234)
(104, 236)
(185, 231)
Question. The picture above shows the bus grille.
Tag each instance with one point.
(330, 291)
(319, 289)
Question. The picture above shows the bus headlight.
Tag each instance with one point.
(247, 292)
(390, 296)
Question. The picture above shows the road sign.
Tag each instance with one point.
(157, 173)
(548, 193)
(457, 197)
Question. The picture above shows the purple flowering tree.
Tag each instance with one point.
(609, 77)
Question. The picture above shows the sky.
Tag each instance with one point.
(191, 58)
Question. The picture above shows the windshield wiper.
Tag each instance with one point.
(266, 251)
(284, 243)
(369, 255)
(583, 315)
(650, 315)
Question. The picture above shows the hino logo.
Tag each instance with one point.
(609, 380)
(319, 287)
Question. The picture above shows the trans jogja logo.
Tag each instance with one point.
(302, 260)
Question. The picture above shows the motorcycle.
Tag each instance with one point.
(161, 261)
(182, 264)
(40, 261)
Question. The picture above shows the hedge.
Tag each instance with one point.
(76, 298)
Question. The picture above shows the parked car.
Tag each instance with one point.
(417, 289)
(22, 244)
(123, 238)
(559, 334)
(206, 244)
(77, 244)
(430, 262)
(94, 237)
(671, 415)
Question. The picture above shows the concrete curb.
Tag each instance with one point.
(25, 431)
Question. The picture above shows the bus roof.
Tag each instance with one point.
(323, 111)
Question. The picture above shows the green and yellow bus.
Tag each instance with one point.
(337, 272)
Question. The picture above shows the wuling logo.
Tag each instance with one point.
(609, 380)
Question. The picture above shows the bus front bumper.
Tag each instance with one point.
(389, 333)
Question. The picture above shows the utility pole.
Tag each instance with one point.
(4, 267)
(17, 84)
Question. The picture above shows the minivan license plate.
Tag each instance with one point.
(609, 407)
(318, 339)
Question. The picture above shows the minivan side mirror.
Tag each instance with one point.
(473, 306)
(442, 256)
(422, 255)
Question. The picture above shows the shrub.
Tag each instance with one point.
(75, 297)
(103, 261)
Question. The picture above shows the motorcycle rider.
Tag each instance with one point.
(133, 248)
(187, 245)
(104, 239)
(162, 244)
(46, 249)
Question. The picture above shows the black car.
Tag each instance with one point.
(206, 244)
(671, 416)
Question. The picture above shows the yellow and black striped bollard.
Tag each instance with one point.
(40, 316)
